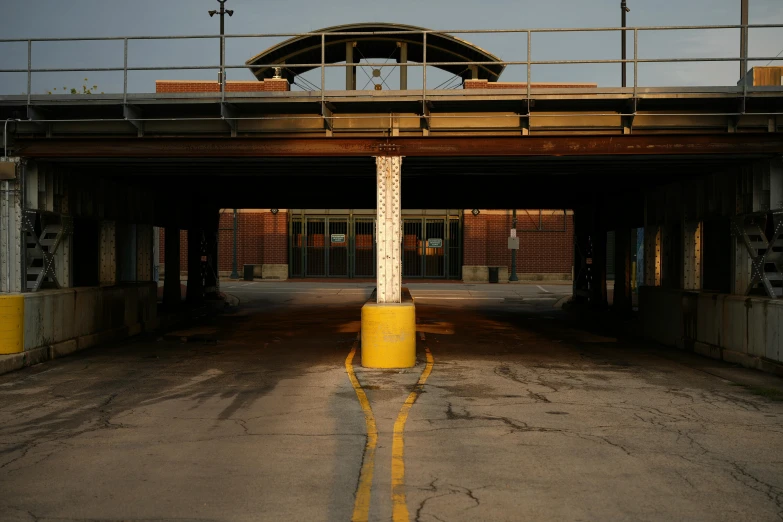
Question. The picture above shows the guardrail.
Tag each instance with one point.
(529, 61)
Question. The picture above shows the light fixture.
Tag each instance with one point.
(475, 212)
(274, 211)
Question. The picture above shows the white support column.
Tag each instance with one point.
(691, 275)
(156, 254)
(10, 238)
(389, 224)
(144, 253)
(62, 261)
(108, 253)
(652, 256)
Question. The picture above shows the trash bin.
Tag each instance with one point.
(493, 274)
(248, 272)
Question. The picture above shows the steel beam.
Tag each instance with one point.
(134, 114)
(230, 114)
(433, 146)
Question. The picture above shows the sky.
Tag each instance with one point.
(113, 18)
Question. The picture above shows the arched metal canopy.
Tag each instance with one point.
(440, 48)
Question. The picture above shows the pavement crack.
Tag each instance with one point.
(243, 424)
(504, 371)
(450, 489)
(773, 493)
(513, 424)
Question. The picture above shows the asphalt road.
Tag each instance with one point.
(523, 416)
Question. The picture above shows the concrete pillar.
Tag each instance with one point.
(623, 298)
(195, 290)
(11, 258)
(389, 225)
(598, 289)
(171, 285)
(211, 280)
(583, 256)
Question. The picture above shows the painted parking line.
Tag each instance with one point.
(361, 505)
(399, 504)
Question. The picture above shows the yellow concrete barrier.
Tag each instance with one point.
(11, 324)
(389, 335)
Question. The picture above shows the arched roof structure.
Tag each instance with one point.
(379, 45)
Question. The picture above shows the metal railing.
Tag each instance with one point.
(528, 62)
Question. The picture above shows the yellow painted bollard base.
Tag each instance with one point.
(389, 335)
(11, 324)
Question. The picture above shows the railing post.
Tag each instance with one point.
(744, 18)
(29, 70)
(635, 63)
(323, 69)
(223, 66)
(424, 77)
(744, 62)
(529, 67)
(125, 73)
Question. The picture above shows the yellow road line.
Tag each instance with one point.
(361, 505)
(400, 505)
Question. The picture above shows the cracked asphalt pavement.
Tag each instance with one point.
(525, 416)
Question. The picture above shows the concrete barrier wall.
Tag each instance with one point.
(60, 322)
(737, 329)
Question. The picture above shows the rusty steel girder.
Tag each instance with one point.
(534, 146)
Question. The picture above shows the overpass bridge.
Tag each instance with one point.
(697, 168)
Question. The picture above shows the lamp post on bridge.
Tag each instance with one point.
(624, 9)
(744, 19)
(223, 12)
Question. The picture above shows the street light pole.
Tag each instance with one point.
(223, 12)
(744, 39)
(624, 10)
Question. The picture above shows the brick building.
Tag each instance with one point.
(445, 244)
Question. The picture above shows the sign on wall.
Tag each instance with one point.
(435, 243)
(338, 238)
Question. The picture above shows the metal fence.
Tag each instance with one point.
(525, 34)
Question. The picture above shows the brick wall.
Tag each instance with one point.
(486, 84)
(183, 86)
(183, 248)
(262, 238)
(550, 251)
